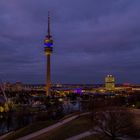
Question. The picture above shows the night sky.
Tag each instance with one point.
(92, 38)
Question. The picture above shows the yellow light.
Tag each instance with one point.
(1, 109)
(6, 107)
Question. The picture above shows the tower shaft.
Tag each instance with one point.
(48, 74)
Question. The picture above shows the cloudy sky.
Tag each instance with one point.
(92, 38)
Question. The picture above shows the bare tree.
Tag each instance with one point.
(114, 123)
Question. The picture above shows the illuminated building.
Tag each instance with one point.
(48, 42)
(18, 86)
(110, 83)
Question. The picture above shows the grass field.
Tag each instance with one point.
(94, 137)
(33, 128)
(28, 129)
(76, 127)
(70, 129)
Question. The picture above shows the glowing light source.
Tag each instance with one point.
(48, 42)
(1, 109)
(78, 91)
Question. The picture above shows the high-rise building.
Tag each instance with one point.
(48, 42)
(110, 83)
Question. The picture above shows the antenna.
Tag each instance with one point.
(49, 32)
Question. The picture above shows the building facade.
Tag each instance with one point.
(110, 83)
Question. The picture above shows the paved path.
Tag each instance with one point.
(5, 135)
(136, 111)
(47, 129)
(82, 135)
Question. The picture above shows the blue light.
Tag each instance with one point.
(48, 44)
(78, 91)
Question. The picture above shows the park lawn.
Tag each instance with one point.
(70, 115)
(33, 128)
(70, 129)
(94, 137)
(29, 129)
(137, 120)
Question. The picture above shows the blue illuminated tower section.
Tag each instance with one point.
(48, 42)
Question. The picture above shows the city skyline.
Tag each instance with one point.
(92, 39)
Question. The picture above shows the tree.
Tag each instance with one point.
(114, 123)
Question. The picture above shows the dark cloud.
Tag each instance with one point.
(91, 39)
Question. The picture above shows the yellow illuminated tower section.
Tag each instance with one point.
(48, 42)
